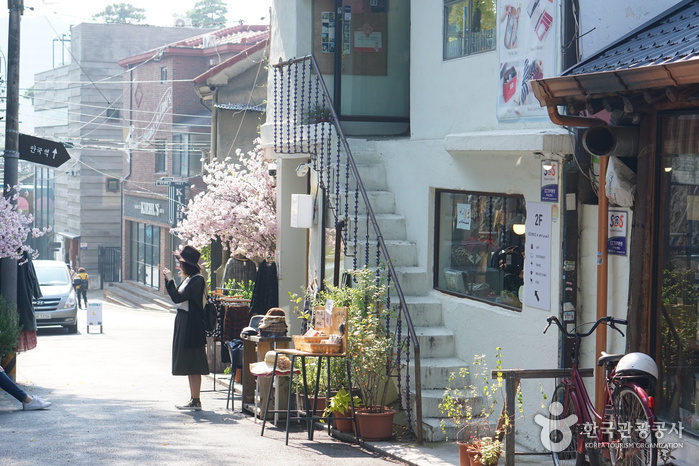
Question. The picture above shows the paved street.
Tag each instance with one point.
(114, 400)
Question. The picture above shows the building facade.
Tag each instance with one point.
(168, 141)
(81, 105)
(438, 101)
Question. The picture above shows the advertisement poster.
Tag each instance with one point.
(616, 232)
(526, 51)
(549, 181)
(327, 31)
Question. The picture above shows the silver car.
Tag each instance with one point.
(58, 305)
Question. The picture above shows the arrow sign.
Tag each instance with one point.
(42, 151)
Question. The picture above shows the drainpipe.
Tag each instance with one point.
(126, 177)
(602, 265)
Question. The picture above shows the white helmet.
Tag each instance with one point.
(637, 364)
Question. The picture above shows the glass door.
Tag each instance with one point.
(369, 42)
(677, 339)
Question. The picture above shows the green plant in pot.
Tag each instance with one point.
(9, 328)
(339, 406)
(470, 403)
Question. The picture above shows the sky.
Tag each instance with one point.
(50, 19)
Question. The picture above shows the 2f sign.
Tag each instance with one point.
(538, 220)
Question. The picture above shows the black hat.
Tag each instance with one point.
(189, 255)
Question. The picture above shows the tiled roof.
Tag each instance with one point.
(240, 107)
(243, 34)
(671, 37)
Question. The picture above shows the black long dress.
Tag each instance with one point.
(189, 338)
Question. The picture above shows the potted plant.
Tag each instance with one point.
(340, 406)
(470, 402)
(9, 330)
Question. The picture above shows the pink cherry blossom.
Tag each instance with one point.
(15, 228)
(238, 207)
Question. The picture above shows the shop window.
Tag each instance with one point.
(479, 246)
(469, 27)
(678, 313)
(145, 254)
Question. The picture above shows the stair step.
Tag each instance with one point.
(392, 226)
(435, 342)
(413, 280)
(425, 311)
(401, 252)
(435, 372)
(132, 296)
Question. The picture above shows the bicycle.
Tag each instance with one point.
(628, 423)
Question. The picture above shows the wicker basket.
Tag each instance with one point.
(314, 345)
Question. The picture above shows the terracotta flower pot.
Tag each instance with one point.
(375, 426)
(343, 425)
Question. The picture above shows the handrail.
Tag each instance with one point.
(379, 237)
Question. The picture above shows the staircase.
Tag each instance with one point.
(129, 294)
(437, 342)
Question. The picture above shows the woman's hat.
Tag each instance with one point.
(188, 255)
(265, 367)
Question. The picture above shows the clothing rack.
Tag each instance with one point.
(221, 301)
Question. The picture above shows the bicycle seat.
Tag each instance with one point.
(609, 358)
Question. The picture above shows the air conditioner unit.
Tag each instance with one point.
(182, 22)
(208, 41)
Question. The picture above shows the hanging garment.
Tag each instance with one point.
(265, 295)
(239, 269)
(27, 291)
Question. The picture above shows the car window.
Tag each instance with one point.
(52, 276)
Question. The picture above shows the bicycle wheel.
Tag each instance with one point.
(637, 445)
(563, 437)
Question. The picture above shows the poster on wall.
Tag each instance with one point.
(549, 181)
(327, 31)
(616, 232)
(537, 259)
(526, 51)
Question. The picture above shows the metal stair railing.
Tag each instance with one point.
(305, 122)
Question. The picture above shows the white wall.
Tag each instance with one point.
(602, 21)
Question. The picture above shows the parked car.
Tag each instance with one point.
(58, 305)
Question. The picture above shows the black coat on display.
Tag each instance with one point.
(266, 292)
(27, 290)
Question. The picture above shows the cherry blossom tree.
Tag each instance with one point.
(15, 228)
(238, 207)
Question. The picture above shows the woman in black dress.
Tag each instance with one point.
(189, 340)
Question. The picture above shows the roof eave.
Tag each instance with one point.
(561, 89)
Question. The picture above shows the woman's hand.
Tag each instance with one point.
(167, 274)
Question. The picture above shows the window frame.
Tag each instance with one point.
(490, 249)
(467, 35)
(160, 156)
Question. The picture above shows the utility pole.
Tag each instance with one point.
(8, 267)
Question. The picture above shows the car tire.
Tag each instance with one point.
(72, 328)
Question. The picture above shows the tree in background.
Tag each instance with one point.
(122, 13)
(208, 14)
(238, 207)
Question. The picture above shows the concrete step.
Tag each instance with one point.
(401, 252)
(131, 295)
(435, 372)
(413, 280)
(425, 311)
(392, 227)
(435, 342)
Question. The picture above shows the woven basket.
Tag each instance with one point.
(314, 345)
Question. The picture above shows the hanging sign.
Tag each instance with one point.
(42, 151)
(549, 181)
